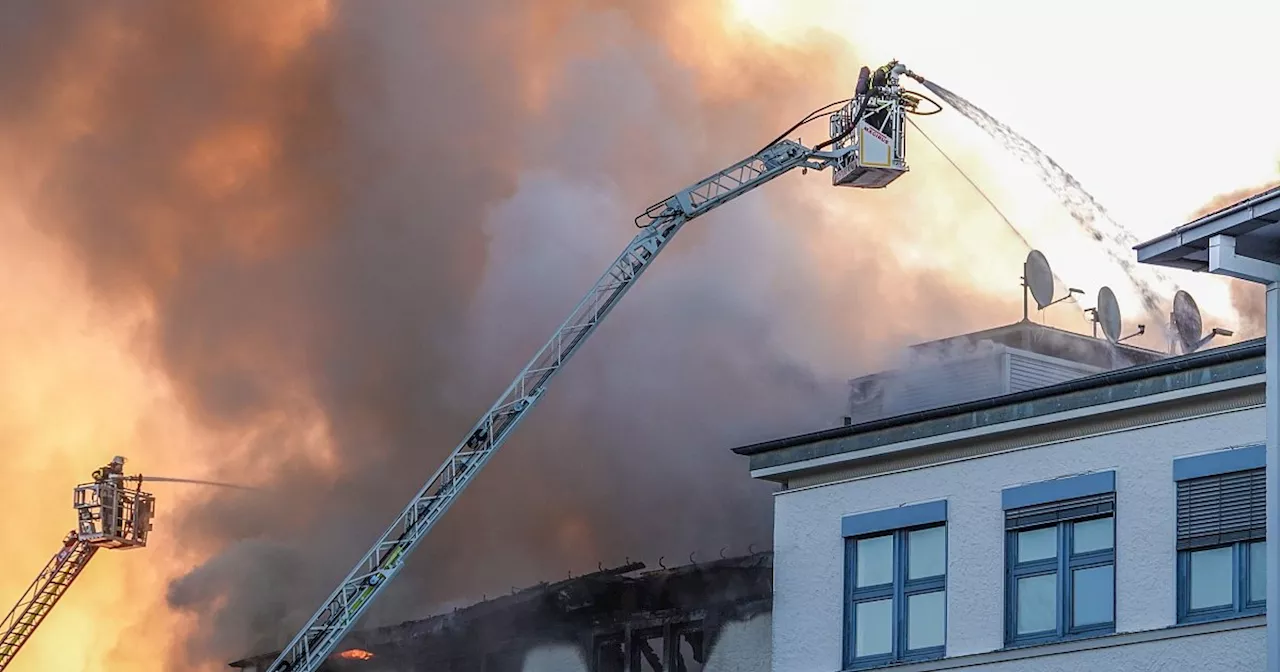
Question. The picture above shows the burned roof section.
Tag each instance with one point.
(608, 616)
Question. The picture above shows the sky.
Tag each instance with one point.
(1155, 108)
(1137, 99)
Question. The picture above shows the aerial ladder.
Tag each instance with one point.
(110, 514)
(866, 149)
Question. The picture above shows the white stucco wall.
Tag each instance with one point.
(1233, 651)
(809, 550)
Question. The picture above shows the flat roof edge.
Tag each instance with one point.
(1200, 360)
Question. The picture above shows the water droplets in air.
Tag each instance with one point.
(1151, 285)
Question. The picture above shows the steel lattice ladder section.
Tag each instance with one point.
(42, 595)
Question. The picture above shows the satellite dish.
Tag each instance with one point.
(1186, 321)
(1108, 313)
(1039, 278)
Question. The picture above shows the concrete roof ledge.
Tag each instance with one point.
(1196, 370)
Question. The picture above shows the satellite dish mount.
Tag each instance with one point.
(1107, 314)
(1037, 283)
(1186, 325)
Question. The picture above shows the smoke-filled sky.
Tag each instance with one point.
(1116, 92)
(302, 244)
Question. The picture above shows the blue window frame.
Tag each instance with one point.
(1061, 582)
(1060, 559)
(895, 587)
(1228, 581)
(1222, 548)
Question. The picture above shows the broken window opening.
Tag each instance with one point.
(648, 649)
(678, 647)
(689, 654)
(609, 655)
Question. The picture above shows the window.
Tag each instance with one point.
(1060, 557)
(1222, 548)
(896, 571)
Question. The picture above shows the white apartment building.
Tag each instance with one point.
(1109, 522)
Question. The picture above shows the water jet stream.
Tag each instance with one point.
(1152, 286)
(196, 481)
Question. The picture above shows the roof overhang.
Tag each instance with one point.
(1230, 241)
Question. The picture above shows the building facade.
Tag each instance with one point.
(1110, 522)
(1240, 241)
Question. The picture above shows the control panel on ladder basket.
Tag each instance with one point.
(870, 127)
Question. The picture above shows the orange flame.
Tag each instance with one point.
(356, 654)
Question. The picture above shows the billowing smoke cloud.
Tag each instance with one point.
(1248, 298)
(352, 224)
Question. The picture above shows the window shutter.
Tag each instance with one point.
(1222, 509)
(1054, 512)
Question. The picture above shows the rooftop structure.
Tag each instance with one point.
(1052, 342)
(987, 363)
(818, 450)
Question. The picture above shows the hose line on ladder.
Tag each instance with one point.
(968, 179)
(982, 193)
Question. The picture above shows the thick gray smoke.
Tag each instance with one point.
(382, 216)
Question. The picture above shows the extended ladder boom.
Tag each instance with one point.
(109, 515)
(309, 649)
(42, 595)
